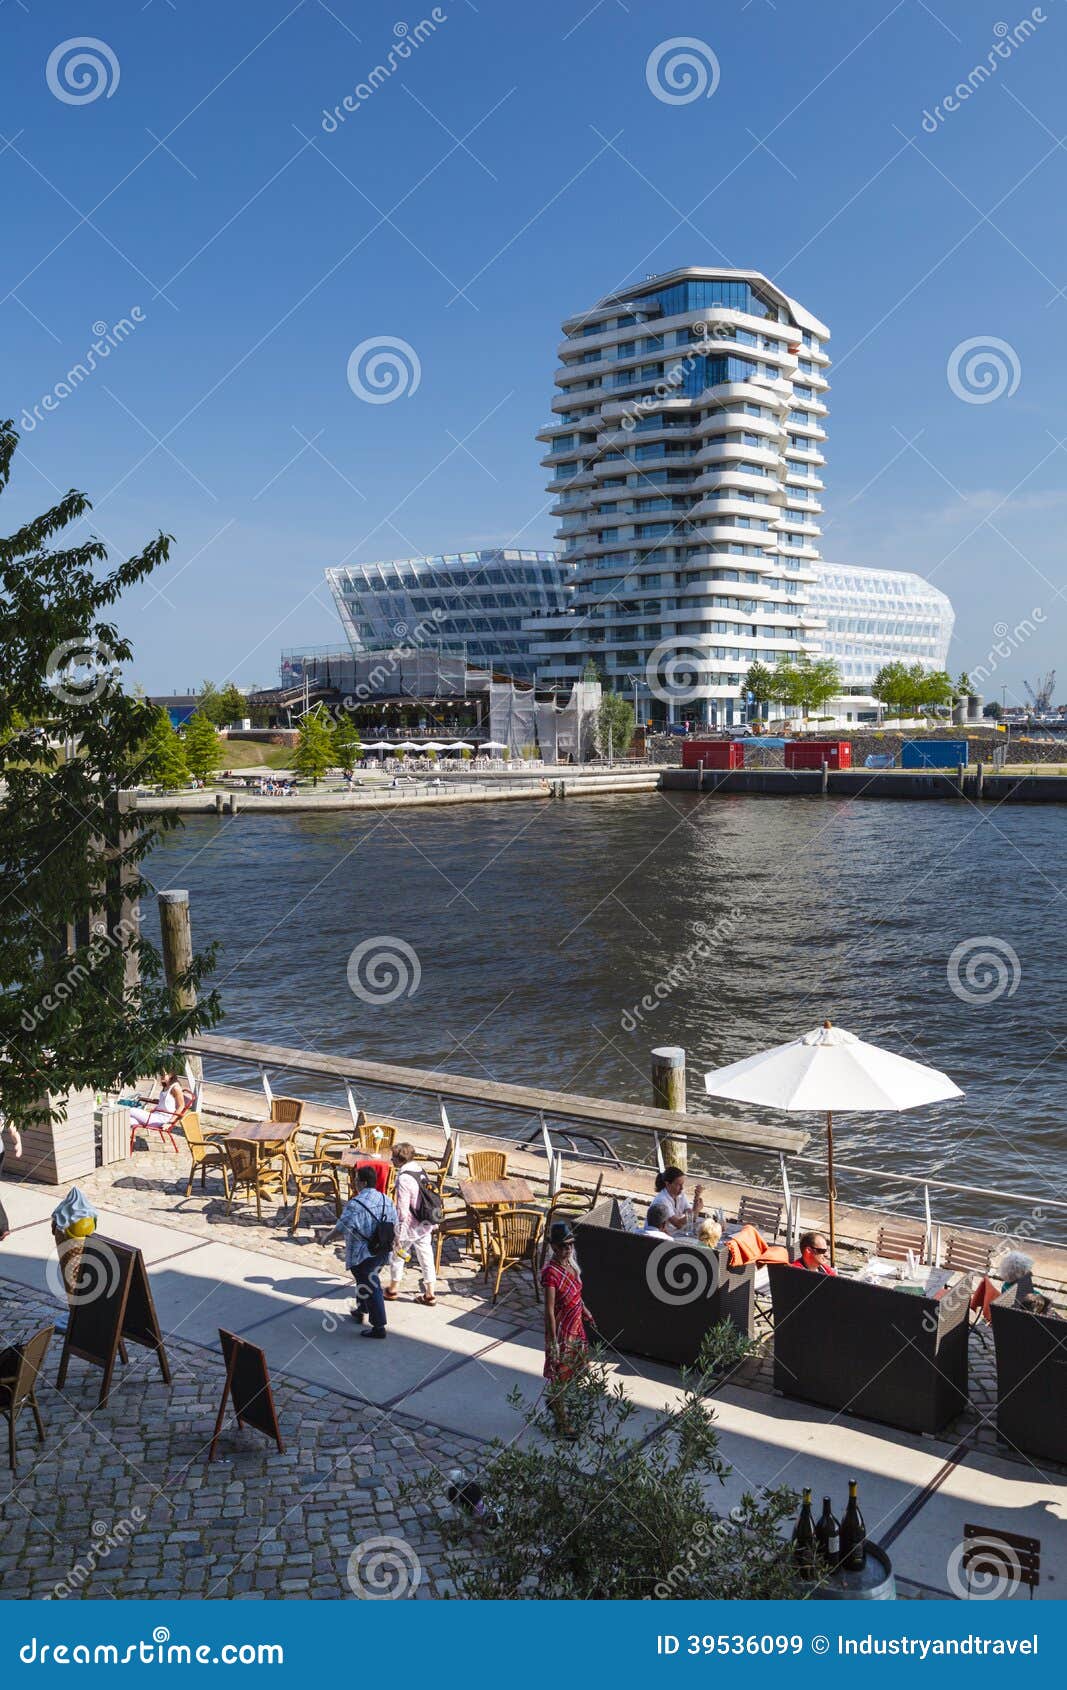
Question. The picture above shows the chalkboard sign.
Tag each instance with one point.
(110, 1300)
(248, 1386)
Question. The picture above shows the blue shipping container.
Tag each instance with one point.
(933, 753)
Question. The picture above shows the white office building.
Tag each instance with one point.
(685, 453)
(874, 616)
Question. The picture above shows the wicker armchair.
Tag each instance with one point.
(314, 1178)
(261, 1169)
(377, 1136)
(487, 1164)
(515, 1238)
(20, 1367)
(202, 1153)
(288, 1111)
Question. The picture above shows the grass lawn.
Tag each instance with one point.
(255, 754)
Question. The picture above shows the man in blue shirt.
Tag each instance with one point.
(364, 1219)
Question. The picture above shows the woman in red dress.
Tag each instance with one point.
(565, 1317)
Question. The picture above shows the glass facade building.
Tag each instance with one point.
(474, 602)
(685, 453)
(876, 616)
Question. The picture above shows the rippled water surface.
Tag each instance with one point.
(539, 930)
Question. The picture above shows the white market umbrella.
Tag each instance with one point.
(492, 745)
(434, 745)
(459, 745)
(407, 745)
(380, 745)
(830, 1070)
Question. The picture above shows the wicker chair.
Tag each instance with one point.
(377, 1136)
(203, 1155)
(314, 1178)
(895, 1240)
(287, 1111)
(20, 1367)
(459, 1221)
(487, 1164)
(259, 1168)
(569, 1203)
(515, 1238)
(330, 1146)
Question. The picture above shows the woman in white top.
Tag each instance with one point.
(161, 1115)
(670, 1187)
(414, 1237)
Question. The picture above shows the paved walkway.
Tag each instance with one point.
(357, 1416)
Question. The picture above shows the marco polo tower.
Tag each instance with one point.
(685, 456)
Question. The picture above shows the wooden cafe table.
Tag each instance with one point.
(494, 1193)
(264, 1132)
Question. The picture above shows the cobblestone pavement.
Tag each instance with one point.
(121, 1501)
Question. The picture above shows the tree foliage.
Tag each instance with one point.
(346, 743)
(221, 707)
(616, 725)
(70, 852)
(805, 683)
(203, 748)
(314, 749)
(759, 681)
(616, 1514)
(907, 689)
(164, 755)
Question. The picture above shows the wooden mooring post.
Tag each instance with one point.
(668, 1092)
(177, 936)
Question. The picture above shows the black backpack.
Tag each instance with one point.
(428, 1209)
(382, 1236)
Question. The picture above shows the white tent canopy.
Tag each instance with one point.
(830, 1070)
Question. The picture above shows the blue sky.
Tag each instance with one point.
(513, 167)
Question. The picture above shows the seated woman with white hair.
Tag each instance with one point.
(1016, 1268)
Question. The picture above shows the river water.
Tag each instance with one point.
(556, 944)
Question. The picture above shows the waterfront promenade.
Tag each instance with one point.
(258, 1524)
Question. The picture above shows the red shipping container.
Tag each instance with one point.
(713, 753)
(813, 753)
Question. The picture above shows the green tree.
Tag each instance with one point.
(346, 743)
(993, 710)
(806, 683)
(164, 754)
(232, 706)
(203, 748)
(209, 703)
(760, 682)
(892, 686)
(602, 1518)
(963, 687)
(591, 671)
(314, 750)
(934, 688)
(616, 725)
(67, 849)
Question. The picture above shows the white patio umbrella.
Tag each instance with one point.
(434, 745)
(492, 745)
(832, 1070)
(379, 745)
(459, 745)
(407, 745)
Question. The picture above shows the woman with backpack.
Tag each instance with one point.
(418, 1209)
(368, 1222)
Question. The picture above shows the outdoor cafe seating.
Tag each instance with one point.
(20, 1368)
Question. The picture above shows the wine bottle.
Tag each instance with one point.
(853, 1534)
(805, 1548)
(828, 1535)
